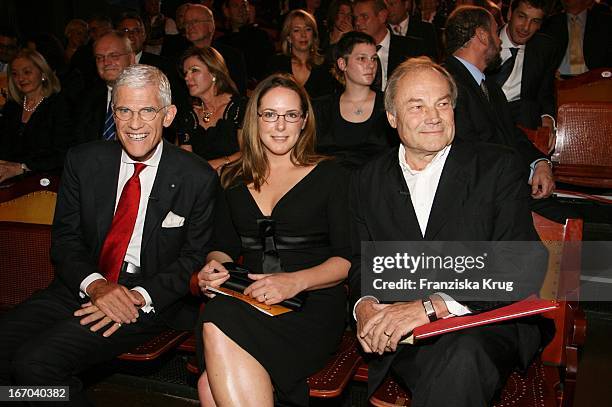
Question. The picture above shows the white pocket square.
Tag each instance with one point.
(173, 221)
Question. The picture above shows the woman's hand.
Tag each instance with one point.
(274, 288)
(213, 274)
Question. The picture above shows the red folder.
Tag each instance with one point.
(529, 306)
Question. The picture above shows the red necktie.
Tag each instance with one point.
(119, 235)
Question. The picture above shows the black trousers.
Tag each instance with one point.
(43, 343)
(460, 369)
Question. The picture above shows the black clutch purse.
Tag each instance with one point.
(239, 280)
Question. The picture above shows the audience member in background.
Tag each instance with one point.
(252, 41)
(157, 25)
(8, 48)
(339, 22)
(211, 128)
(300, 55)
(83, 60)
(51, 48)
(352, 126)
(180, 17)
(528, 65)
(113, 53)
(401, 23)
(584, 35)
(35, 126)
(371, 18)
(77, 35)
(283, 209)
(200, 30)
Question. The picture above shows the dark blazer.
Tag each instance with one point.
(597, 41)
(402, 48)
(90, 113)
(481, 196)
(42, 142)
(184, 184)
(477, 119)
(427, 32)
(537, 82)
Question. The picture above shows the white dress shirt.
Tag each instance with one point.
(512, 86)
(423, 186)
(147, 178)
(401, 28)
(383, 56)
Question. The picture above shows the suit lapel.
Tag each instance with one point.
(451, 190)
(167, 184)
(106, 189)
(398, 200)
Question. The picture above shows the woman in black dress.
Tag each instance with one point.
(210, 129)
(283, 210)
(300, 56)
(35, 126)
(353, 126)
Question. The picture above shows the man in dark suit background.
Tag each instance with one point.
(584, 35)
(482, 112)
(200, 30)
(528, 67)
(132, 222)
(401, 23)
(438, 188)
(113, 53)
(370, 17)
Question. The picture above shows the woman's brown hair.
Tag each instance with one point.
(216, 66)
(253, 166)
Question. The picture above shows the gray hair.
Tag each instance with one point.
(412, 66)
(138, 76)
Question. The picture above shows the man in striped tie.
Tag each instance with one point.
(113, 53)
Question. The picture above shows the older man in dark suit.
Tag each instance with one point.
(437, 188)
(132, 222)
(94, 121)
(371, 18)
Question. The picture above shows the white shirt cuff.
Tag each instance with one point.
(553, 120)
(533, 165)
(148, 307)
(88, 280)
(455, 308)
(361, 299)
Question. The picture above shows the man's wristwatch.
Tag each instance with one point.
(430, 311)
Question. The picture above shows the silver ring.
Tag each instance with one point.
(265, 297)
(119, 324)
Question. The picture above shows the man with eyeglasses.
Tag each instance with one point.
(200, 31)
(133, 221)
(112, 53)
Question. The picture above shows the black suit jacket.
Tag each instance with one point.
(481, 196)
(597, 41)
(184, 184)
(426, 32)
(45, 138)
(402, 48)
(477, 119)
(91, 112)
(537, 82)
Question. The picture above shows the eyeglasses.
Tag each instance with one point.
(271, 117)
(195, 22)
(146, 113)
(111, 57)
